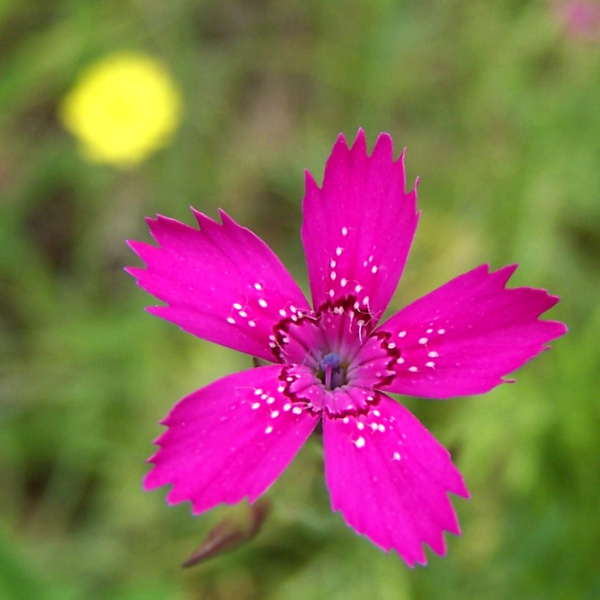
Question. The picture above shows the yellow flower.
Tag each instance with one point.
(122, 109)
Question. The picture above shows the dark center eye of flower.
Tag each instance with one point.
(331, 371)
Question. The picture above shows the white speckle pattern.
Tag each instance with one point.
(332, 275)
(268, 430)
(255, 405)
(360, 425)
(274, 414)
(397, 456)
(237, 306)
(231, 320)
(402, 334)
(413, 369)
(374, 269)
(338, 251)
(262, 302)
(360, 442)
(358, 288)
(343, 282)
(423, 340)
(432, 354)
(282, 313)
(251, 324)
(430, 364)
(297, 410)
(441, 331)
(258, 286)
(344, 231)
(286, 407)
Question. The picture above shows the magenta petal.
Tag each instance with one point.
(359, 226)
(465, 336)
(229, 440)
(390, 477)
(221, 283)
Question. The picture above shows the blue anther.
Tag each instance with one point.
(331, 360)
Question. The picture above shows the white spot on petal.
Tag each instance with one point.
(430, 364)
(397, 456)
(338, 251)
(262, 302)
(374, 269)
(423, 340)
(297, 410)
(358, 288)
(251, 324)
(343, 282)
(274, 414)
(360, 425)
(413, 369)
(402, 334)
(231, 320)
(268, 430)
(256, 405)
(258, 287)
(344, 231)
(237, 306)
(441, 331)
(360, 442)
(433, 354)
(332, 275)
(286, 407)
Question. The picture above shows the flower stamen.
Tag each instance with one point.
(331, 371)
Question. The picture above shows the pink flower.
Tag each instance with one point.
(580, 18)
(332, 362)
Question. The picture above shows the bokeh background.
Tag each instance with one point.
(498, 105)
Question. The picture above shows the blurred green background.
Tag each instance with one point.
(498, 105)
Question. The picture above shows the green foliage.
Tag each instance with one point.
(498, 108)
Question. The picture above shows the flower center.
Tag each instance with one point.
(331, 371)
